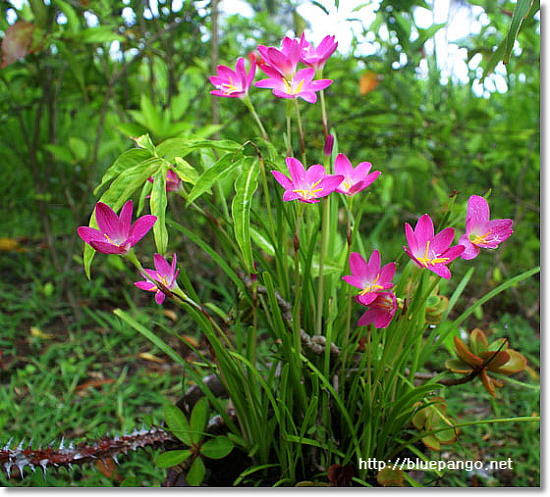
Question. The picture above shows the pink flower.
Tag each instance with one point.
(356, 179)
(480, 232)
(233, 84)
(116, 235)
(368, 277)
(301, 85)
(306, 186)
(380, 311)
(429, 251)
(163, 273)
(283, 62)
(317, 57)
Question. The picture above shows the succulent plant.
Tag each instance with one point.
(482, 358)
(434, 417)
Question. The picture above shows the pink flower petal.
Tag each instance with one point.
(411, 239)
(442, 241)
(146, 285)
(282, 179)
(108, 221)
(343, 166)
(159, 297)
(109, 248)
(373, 267)
(424, 230)
(471, 251)
(441, 270)
(329, 184)
(308, 96)
(314, 174)
(125, 219)
(297, 171)
(354, 281)
(358, 267)
(478, 210)
(141, 227)
(387, 273)
(162, 266)
(88, 234)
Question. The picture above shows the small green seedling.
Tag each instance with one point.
(192, 433)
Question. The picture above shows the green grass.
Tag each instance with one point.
(48, 358)
(43, 371)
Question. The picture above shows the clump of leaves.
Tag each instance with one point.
(390, 477)
(481, 358)
(433, 418)
(192, 433)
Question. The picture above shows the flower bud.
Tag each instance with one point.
(329, 144)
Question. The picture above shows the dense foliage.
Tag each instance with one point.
(80, 79)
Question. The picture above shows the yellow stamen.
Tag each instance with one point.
(289, 89)
(110, 241)
(347, 183)
(426, 261)
(480, 240)
(310, 192)
(229, 88)
(372, 288)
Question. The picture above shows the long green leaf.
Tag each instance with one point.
(215, 173)
(521, 11)
(215, 256)
(125, 161)
(491, 294)
(158, 204)
(149, 335)
(245, 186)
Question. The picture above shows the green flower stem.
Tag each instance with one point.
(349, 204)
(324, 241)
(324, 118)
(246, 100)
(301, 132)
(131, 256)
(297, 296)
(288, 129)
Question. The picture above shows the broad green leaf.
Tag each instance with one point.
(177, 423)
(185, 171)
(158, 204)
(245, 186)
(172, 458)
(100, 34)
(217, 448)
(60, 153)
(126, 160)
(79, 147)
(128, 182)
(216, 173)
(144, 141)
(196, 472)
(199, 417)
(174, 147)
(150, 115)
